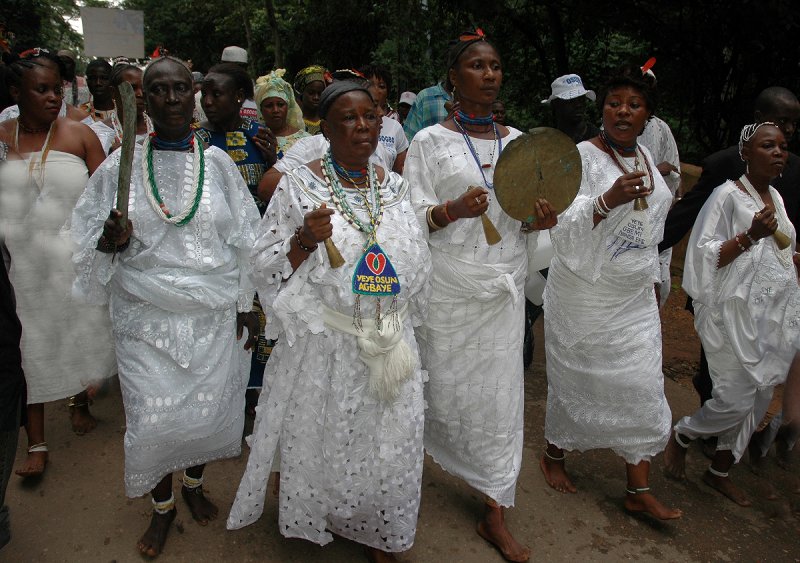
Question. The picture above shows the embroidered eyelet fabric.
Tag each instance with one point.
(66, 345)
(753, 302)
(350, 465)
(471, 342)
(174, 294)
(602, 329)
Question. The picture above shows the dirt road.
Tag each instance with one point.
(78, 511)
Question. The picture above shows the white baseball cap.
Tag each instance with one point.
(568, 87)
(234, 54)
(408, 98)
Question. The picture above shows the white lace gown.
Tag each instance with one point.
(350, 464)
(174, 294)
(746, 313)
(605, 387)
(471, 342)
(108, 135)
(66, 345)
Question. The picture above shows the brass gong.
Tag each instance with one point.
(544, 163)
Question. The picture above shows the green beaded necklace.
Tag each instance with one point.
(151, 188)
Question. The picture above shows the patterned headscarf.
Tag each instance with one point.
(308, 75)
(273, 85)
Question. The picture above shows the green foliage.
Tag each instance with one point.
(41, 23)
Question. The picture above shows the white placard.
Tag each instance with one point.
(113, 33)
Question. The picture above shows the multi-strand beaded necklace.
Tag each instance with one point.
(374, 274)
(191, 142)
(462, 118)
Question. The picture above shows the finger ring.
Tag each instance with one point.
(638, 188)
(478, 201)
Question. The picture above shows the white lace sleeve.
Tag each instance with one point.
(242, 233)
(578, 243)
(94, 268)
(703, 279)
(271, 266)
(419, 176)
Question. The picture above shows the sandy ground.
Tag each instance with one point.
(78, 511)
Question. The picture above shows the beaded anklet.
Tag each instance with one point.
(680, 442)
(637, 490)
(164, 507)
(548, 456)
(192, 483)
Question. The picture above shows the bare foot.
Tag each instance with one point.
(556, 475)
(493, 529)
(647, 503)
(82, 420)
(34, 465)
(727, 488)
(675, 459)
(152, 542)
(202, 509)
(375, 555)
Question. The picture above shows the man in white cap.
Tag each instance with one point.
(568, 100)
(406, 101)
(234, 54)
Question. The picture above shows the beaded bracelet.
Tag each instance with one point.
(739, 243)
(429, 216)
(750, 238)
(303, 247)
(446, 214)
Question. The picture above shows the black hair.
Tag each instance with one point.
(769, 98)
(630, 76)
(5, 81)
(335, 90)
(166, 58)
(29, 60)
(99, 63)
(457, 48)
(241, 80)
(119, 69)
(377, 70)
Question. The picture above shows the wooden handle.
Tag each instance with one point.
(128, 119)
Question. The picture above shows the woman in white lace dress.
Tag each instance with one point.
(471, 342)
(746, 306)
(602, 329)
(180, 291)
(343, 402)
(66, 345)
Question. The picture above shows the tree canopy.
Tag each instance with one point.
(713, 56)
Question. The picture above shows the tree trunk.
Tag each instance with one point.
(276, 37)
(557, 35)
(248, 36)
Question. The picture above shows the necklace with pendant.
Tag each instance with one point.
(374, 274)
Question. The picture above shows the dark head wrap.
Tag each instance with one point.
(308, 75)
(458, 46)
(338, 88)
